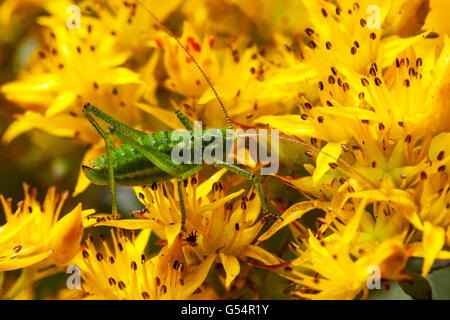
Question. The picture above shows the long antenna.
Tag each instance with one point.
(230, 126)
(299, 141)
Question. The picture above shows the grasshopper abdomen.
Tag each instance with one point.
(131, 168)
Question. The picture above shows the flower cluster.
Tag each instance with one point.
(359, 90)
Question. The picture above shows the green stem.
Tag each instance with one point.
(25, 278)
(46, 273)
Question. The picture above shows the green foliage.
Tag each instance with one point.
(418, 287)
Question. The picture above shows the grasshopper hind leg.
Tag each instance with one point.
(112, 184)
(254, 179)
(187, 123)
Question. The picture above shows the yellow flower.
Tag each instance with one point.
(432, 198)
(423, 202)
(214, 224)
(338, 265)
(244, 78)
(73, 66)
(123, 271)
(337, 276)
(347, 35)
(373, 122)
(70, 68)
(35, 233)
(184, 77)
(131, 22)
(251, 84)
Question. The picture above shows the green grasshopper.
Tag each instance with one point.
(145, 159)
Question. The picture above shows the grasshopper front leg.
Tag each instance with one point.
(109, 147)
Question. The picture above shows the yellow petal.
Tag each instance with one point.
(291, 124)
(244, 157)
(197, 276)
(219, 202)
(14, 264)
(293, 213)
(330, 153)
(231, 266)
(394, 45)
(433, 241)
(129, 224)
(36, 91)
(418, 251)
(15, 129)
(205, 187)
(66, 235)
(295, 74)
(406, 204)
(61, 125)
(352, 227)
(167, 117)
(141, 240)
(260, 254)
(253, 210)
(120, 76)
(441, 142)
(172, 231)
(437, 19)
(448, 236)
(61, 103)
(87, 220)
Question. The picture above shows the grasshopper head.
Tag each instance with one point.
(96, 176)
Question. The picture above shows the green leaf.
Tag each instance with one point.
(391, 292)
(418, 287)
(440, 282)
